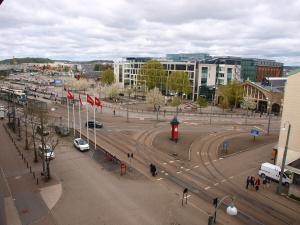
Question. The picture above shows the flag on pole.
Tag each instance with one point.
(80, 100)
(89, 100)
(97, 102)
(70, 96)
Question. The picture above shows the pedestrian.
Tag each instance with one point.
(247, 182)
(154, 170)
(151, 168)
(257, 184)
(264, 182)
(252, 181)
(268, 182)
(114, 112)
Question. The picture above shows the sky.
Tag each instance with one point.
(112, 30)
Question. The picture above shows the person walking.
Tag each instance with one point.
(114, 112)
(264, 182)
(247, 182)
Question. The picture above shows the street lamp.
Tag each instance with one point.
(284, 156)
(231, 210)
(212, 102)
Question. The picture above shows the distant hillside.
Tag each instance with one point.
(26, 60)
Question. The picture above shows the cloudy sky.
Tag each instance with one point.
(114, 29)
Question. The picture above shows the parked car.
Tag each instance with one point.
(49, 153)
(92, 123)
(81, 144)
(273, 171)
(62, 131)
(45, 130)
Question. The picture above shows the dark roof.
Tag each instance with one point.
(93, 74)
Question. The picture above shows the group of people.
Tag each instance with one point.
(255, 183)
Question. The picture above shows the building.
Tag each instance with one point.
(291, 116)
(204, 71)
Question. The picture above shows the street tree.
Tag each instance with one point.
(153, 74)
(224, 104)
(112, 91)
(128, 90)
(179, 82)
(156, 98)
(70, 84)
(233, 92)
(108, 77)
(202, 102)
(82, 85)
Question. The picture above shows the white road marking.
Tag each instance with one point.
(181, 167)
(162, 171)
(223, 180)
(159, 179)
(165, 163)
(171, 161)
(214, 160)
(216, 184)
(230, 177)
(179, 172)
(207, 188)
(187, 169)
(206, 163)
(220, 158)
(196, 166)
(166, 174)
(197, 153)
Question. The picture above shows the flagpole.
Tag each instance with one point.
(68, 112)
(95, 127)
(87, 124)
(73, 116)
(79, 117)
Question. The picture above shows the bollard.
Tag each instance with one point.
(37, 181)
(29, 168)
(27, 164)
(22, 156)
(33, 175)
(24, 160)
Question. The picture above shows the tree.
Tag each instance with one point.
(233, 92)
(176, 101)
(248, 102)
(97, 67)
(156, 98)
(153, 73)
(202, 102)
(224, 104)
(179, 81)
(70, 84)
(128, 90)
(82, 85)
(108, 77)
(112, 91)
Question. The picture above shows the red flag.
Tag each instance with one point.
(89, 100)
(80, 100)
(70, 96)
(97, 101)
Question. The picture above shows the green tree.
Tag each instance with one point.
(202, 102)
(224, 104)
(176, 101)
(97, 67)
(233, 92)
(108, 77)
(153, 73)
(179, 81)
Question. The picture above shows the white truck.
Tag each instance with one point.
(1, 112)
(273, 172)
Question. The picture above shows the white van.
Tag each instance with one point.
(273, 171)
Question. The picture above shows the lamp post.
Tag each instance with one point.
(212, 103)
(270, 110)
(231, 210)
(284, 157)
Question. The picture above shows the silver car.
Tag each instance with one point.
(81, 144)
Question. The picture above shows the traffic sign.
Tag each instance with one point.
(254, 132)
